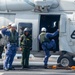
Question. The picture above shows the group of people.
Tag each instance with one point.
(12, 45)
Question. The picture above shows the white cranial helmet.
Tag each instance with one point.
(10, 23)
(26, 30)
(43, 29)
(14, 25)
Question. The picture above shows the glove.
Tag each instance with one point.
(54, 50)
(30, 48)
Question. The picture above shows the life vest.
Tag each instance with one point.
(26, 41)
(43, 37)
(13, 38)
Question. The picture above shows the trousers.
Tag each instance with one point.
(10, 54)
(46, 46)
(25, 57)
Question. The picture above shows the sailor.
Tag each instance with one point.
(12, 46)
(47, 43)
(26, 44)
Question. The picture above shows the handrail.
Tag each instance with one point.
(30, 3)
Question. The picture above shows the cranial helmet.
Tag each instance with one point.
(43, 29)
(10, 23)
(14, 25)
(26, 30)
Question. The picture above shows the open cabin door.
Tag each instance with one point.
(51, 23)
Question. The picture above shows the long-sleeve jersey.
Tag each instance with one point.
(7, 32)
(45, 37)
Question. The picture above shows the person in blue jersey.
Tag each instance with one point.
(47, 43)
(12, 46)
